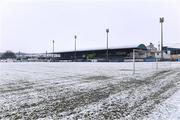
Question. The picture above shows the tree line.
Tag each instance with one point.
(8, 55)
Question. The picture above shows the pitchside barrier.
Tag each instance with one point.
(153, 65)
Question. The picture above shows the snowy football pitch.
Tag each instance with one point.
(89, 91)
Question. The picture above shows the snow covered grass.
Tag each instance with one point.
(89, 91)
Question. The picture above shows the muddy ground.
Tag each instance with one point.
(86, 96)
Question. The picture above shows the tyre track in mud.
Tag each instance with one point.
(141, 107)
(65, 106)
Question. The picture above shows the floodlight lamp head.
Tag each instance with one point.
(107, 30)
(161, 19)
(75, 36)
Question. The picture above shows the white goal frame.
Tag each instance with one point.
(134, 55)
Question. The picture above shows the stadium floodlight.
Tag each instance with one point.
(75, 57)
(161, 21)
(107, 55)
(53, 48)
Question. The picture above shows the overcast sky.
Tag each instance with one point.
(31, 25)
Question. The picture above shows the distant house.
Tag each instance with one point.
(151, 50)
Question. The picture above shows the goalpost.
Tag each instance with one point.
(155, 63)
(134, 59)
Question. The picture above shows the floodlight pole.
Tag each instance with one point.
(161, 21)
(53, 49)
(19, 54)
(75, 57)
(107, 54)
